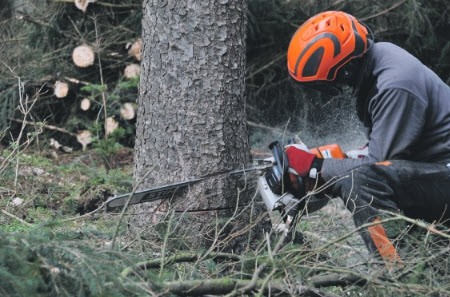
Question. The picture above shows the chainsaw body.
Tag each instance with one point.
(276, 189)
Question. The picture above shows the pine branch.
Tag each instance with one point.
(45, 126)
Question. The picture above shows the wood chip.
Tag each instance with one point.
(17, 201)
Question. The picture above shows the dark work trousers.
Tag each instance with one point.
(418, 190)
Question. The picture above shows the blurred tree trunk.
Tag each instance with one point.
(191, 118)
(5, 11)
(23, 6)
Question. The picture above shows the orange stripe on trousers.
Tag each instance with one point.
(384, 245)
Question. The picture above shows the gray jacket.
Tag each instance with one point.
(405, 107)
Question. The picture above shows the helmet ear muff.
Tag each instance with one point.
(347, 74)
(350, 72)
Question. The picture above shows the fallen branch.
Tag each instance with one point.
(156, 263)
(226, 285)
(255, 282)
(16, 218)
(396, 217)
(86, 215)
(335, 279)
(429, 227)
(45, 126)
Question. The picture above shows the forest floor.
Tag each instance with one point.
(37, 186)
(53, 202)
(43, 186)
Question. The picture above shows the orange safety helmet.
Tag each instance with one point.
(323, 44)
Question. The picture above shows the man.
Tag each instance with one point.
(404, 106)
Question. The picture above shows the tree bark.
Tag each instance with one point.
(191, 120)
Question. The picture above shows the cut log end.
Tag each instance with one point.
(84, 137)
(134, 49)
(110, 125)
(132, 70)
(61, 89)
(85, 104)
(82, 4)
(83, 56)
(128, 111)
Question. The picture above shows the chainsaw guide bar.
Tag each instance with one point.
(170, 190)
(153, 194)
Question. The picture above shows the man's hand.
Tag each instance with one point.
(302, 165)
(300, 161)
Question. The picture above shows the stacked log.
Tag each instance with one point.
(128, 111)
(61, 89)
(83, 56)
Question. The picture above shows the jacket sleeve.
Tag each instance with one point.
(398, 118)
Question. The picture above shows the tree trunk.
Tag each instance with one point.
(5, 10)
(191, 120)
(25, 6)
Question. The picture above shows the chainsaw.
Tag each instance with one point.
(273, 185)
(277, 192)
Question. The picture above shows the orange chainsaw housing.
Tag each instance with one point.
(329, 151)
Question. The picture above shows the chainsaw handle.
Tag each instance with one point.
(278, 179)
(280, 157)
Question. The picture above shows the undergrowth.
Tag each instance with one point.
(77, 258)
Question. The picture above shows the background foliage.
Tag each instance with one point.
(273, 98)
(44, 251)
(38, 39)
